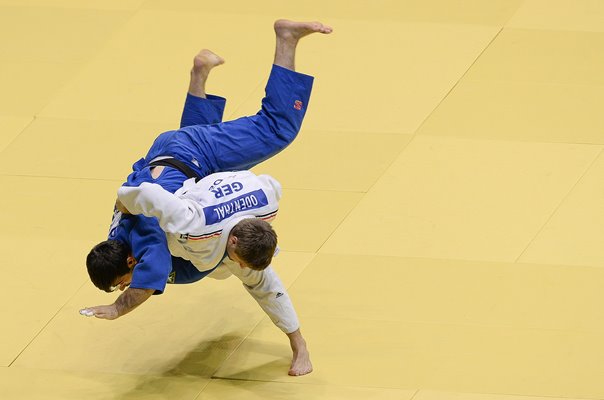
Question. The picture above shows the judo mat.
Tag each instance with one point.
(442, 219)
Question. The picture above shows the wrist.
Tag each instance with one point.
(296, 340)
(117, 310)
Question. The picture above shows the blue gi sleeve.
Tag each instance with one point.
(199, 111)
(150, 247)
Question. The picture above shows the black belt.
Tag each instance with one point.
(177, 164)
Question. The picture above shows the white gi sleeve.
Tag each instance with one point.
(268, 290)
(175, 215)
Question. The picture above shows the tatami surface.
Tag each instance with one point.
(442, 220)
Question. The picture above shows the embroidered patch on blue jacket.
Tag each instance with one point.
(249, 201)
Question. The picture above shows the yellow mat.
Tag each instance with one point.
(441, 226)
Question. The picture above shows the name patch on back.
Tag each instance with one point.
(249, 201)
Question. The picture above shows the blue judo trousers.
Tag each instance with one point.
(208, 145)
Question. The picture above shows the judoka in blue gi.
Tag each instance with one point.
(135, 259)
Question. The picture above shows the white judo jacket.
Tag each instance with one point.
(197, 220)
(198, 216)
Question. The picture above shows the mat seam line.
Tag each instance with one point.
(562, 201)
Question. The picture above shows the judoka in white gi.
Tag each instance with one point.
(206, 223)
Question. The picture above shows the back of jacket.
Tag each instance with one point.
(198, 217)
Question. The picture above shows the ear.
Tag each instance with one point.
(233, 239)
(131, 261)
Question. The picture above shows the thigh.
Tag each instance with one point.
(247, 141)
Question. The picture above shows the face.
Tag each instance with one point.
(123, 281)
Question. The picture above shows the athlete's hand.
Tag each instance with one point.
(120, 207)
(103, 312)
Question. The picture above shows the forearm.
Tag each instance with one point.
(270, 293)
(130, 299)
(127, 302)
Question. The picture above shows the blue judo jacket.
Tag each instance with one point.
(208, 145)
(143, 235)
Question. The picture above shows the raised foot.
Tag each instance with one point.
(205, 60)
(293, 30)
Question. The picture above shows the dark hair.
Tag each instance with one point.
(256, 242)
(106, 262)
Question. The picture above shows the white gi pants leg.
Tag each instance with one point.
(267, 289)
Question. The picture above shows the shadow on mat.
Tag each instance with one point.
(188, 376)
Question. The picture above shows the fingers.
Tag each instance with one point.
(101, 312)
(87, 312)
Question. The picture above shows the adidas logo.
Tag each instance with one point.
(279, 294)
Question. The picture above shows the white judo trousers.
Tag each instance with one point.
(197, 220)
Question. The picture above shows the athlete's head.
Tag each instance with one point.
(252, 243)
(110, 265)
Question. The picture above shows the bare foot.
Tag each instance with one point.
(203, 63)
(301, 364)
(205, 60)
(294, 31)
(288, 34)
